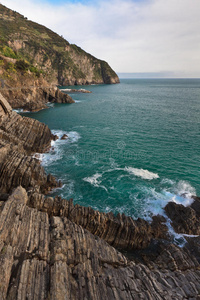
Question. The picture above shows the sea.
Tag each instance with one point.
(131, 148)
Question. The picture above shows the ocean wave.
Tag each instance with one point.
(94, 180)
(155, 201)
(145, 174)
(73, 136)
(19, 110)
(50, 104)
(56, 152)
(178, 238)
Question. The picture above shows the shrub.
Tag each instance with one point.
(22, 65)
(35, 70)
(8, 52)
(10, 67)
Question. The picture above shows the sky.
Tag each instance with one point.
(134, 36)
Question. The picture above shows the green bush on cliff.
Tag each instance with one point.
(10, 67)
(8, 52)
(35, 71)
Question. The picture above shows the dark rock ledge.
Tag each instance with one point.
(34, 98)
(53, 249)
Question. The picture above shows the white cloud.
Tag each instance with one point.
(133, 36)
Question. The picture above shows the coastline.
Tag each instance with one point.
(97, 254)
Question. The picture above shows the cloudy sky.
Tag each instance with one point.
(134, 36)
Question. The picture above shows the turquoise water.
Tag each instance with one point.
(132, 147)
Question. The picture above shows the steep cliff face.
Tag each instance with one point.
(53, 249)
(19, 138)
(47, 54)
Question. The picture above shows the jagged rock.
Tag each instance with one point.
(119, 231)
(184, 219)
(19, 138)
(64, 137)
(196, 205)
(34, 98)
(3, 196)
(55, 137)
(46, 256)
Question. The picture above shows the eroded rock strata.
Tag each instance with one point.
(53, 249)
(19, 138)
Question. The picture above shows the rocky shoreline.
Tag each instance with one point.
(53, 249)
(34, 98)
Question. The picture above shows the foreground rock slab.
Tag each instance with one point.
(51, 257)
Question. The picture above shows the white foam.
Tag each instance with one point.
(56, 152)
(153, 201)
(19, 110)
(50, 104)
(190, 235)
(73, 136)
(178, 238)
(145, 174)
(185, 189)
(65, 90)
(167, 181)
(94, 179)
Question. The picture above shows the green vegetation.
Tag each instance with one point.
(10, 67)
(40, 50)
(36, 71)
(8, 52)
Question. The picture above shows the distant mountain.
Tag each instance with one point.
(27, 47)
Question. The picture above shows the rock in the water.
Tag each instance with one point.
(184, 219)
(64, 137)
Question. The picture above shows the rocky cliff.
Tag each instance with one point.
(53, 249)
(44, 53)
(34, 60)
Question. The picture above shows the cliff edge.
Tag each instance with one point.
(42, 52)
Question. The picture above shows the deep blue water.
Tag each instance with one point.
(132, 147)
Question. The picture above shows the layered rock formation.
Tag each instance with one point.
(25, 91)
(53, 249)
(19, 138)
(34, 98)
(47, 54)
(34, 60)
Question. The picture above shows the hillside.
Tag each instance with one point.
(43, 53)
